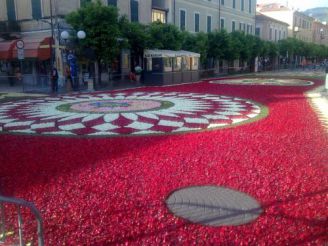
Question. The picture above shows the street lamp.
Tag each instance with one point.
(70, 58)
(321, 35)
(296, 30)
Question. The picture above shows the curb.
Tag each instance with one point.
(318, 98)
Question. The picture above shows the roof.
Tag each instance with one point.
(260, 16)
(273, 7)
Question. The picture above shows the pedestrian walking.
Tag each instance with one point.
(54, 80)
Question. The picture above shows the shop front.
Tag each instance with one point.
(163, 67)
(29, 70)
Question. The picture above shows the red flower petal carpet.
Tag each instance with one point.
(112, 190)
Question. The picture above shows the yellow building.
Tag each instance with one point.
(300, 25)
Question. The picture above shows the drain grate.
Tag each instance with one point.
(213, 205)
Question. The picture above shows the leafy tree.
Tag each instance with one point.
(101, 26)
(136, 36)
(219, 45)
(236, 45)
(197, 43)
(164, 36)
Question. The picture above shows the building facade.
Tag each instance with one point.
(300, 24)
(209, 15)
(270, 29)
(303, 27)
(320, 33)
(33, 19)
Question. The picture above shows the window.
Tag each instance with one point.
(244, 27)
(158, 15)
(247, 29)
(222, 2)
(240, 26)
(279, 34)
(257, 31)
(112, 2)
(233, 26)
(251, 29)
(11, 12)
(242, 6)
(134, 5)
(275, 35)
(234, 4)
(167, 64)
(270, 34)
(221, 23)
(36, 9)
(182, 20)
(250, 6)
(284, 34)
(196, 22)
(209, 23)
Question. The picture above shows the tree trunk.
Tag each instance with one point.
(97, 73)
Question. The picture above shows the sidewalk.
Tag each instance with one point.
(319, 100)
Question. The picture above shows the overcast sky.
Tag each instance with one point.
(300, 4)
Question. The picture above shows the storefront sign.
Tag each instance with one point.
(20, 49)
(20, 54)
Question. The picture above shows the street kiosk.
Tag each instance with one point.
(163, 67)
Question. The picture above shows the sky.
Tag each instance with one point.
(300, 4)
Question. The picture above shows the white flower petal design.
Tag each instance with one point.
(128, 113)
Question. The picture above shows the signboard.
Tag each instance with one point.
(20, 54)
(20, 49)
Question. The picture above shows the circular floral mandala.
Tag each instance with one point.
(264, 81)
(122, 113)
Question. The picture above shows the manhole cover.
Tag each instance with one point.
(213, 205)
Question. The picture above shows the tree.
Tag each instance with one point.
(219, 46)
(197, 43)
(164, 36)
(136, 36)
(101, 26)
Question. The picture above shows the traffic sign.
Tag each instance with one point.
(20, 44)
(20, 54)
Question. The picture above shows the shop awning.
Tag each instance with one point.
(35, 48)
(6, 49)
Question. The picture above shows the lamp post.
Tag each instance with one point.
(70, 58)
(295, 31)
(321, 35)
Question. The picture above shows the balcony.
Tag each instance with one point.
(159, 4)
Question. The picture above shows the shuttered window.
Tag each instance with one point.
(112, 2)
(134, 5)
(36, 9)
(182, 20)
(11, 13)
(196, 22)
(209, 23)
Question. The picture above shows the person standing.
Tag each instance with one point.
(54, 80)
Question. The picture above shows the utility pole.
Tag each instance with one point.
(219, 15)
(52, 36)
